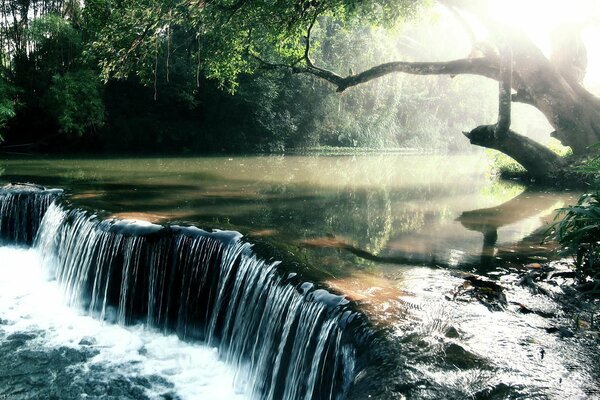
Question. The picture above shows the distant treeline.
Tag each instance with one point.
(111, 76)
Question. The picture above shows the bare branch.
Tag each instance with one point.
(311, 68)
(307, 45)
(471, 66)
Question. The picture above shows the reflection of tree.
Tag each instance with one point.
(367, 217)
(488, 220)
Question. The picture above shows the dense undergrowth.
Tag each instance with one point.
(577, 227)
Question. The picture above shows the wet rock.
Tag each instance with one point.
(170, 396)
(583, 324)
(534, 266)
(452, 332)
(59, 373)
(526, 310)
(561, 331)
(459, 357)
(498, 391)
(123, 388)
(483, 290)
(23, 186)
(20, 336)
(87, 341)
(562, 274)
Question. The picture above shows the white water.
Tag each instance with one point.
(30, 302)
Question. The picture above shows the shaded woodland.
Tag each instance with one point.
(147, 77)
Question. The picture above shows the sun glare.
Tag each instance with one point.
(540, 18)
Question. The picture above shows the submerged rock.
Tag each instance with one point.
(483, 290)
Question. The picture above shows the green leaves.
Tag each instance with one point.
(579, 232)
(76, 101)
(8, 103)
(581, 222)
(131, 38)
(52, 27)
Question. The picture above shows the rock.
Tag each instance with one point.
(87, 341)
(486, 291)
(534, 266)
(461, 358)
(562, 331)
(19, 186)
(452, 332)
(21, 336)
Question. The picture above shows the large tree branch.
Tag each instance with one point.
(474, 66)
(505, 92)
(539, 161)
(478, 66)
(466, 66)
(522, 96)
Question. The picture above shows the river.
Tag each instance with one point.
(395, 233)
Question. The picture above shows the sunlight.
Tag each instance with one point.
(539, 18)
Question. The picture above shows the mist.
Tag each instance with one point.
(432, 111)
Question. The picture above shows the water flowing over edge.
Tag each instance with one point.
(49, 350)
(22, 207)
(286, 338)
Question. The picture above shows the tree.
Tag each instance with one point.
(237, 37)
(7, 103)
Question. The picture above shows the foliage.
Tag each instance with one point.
(56, 40)
(147, 75)
(76, 101)
(224, 37)
(555, 145)
(578, 230)
(7, 103)
(504, 166)
(592, 165)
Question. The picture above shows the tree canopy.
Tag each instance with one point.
(83, 68)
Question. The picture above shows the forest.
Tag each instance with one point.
(299, 199)
(155, 77)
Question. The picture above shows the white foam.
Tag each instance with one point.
(30, 302)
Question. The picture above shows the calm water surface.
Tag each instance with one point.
(428, 208)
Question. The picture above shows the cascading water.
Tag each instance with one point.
(22, 207)
(286, 339)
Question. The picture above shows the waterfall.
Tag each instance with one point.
(22, 207)
(287, 339)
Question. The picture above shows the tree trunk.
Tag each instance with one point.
(542, 163)
(572, 111)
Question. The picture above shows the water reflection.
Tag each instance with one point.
(526, 217)
(393, 208)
